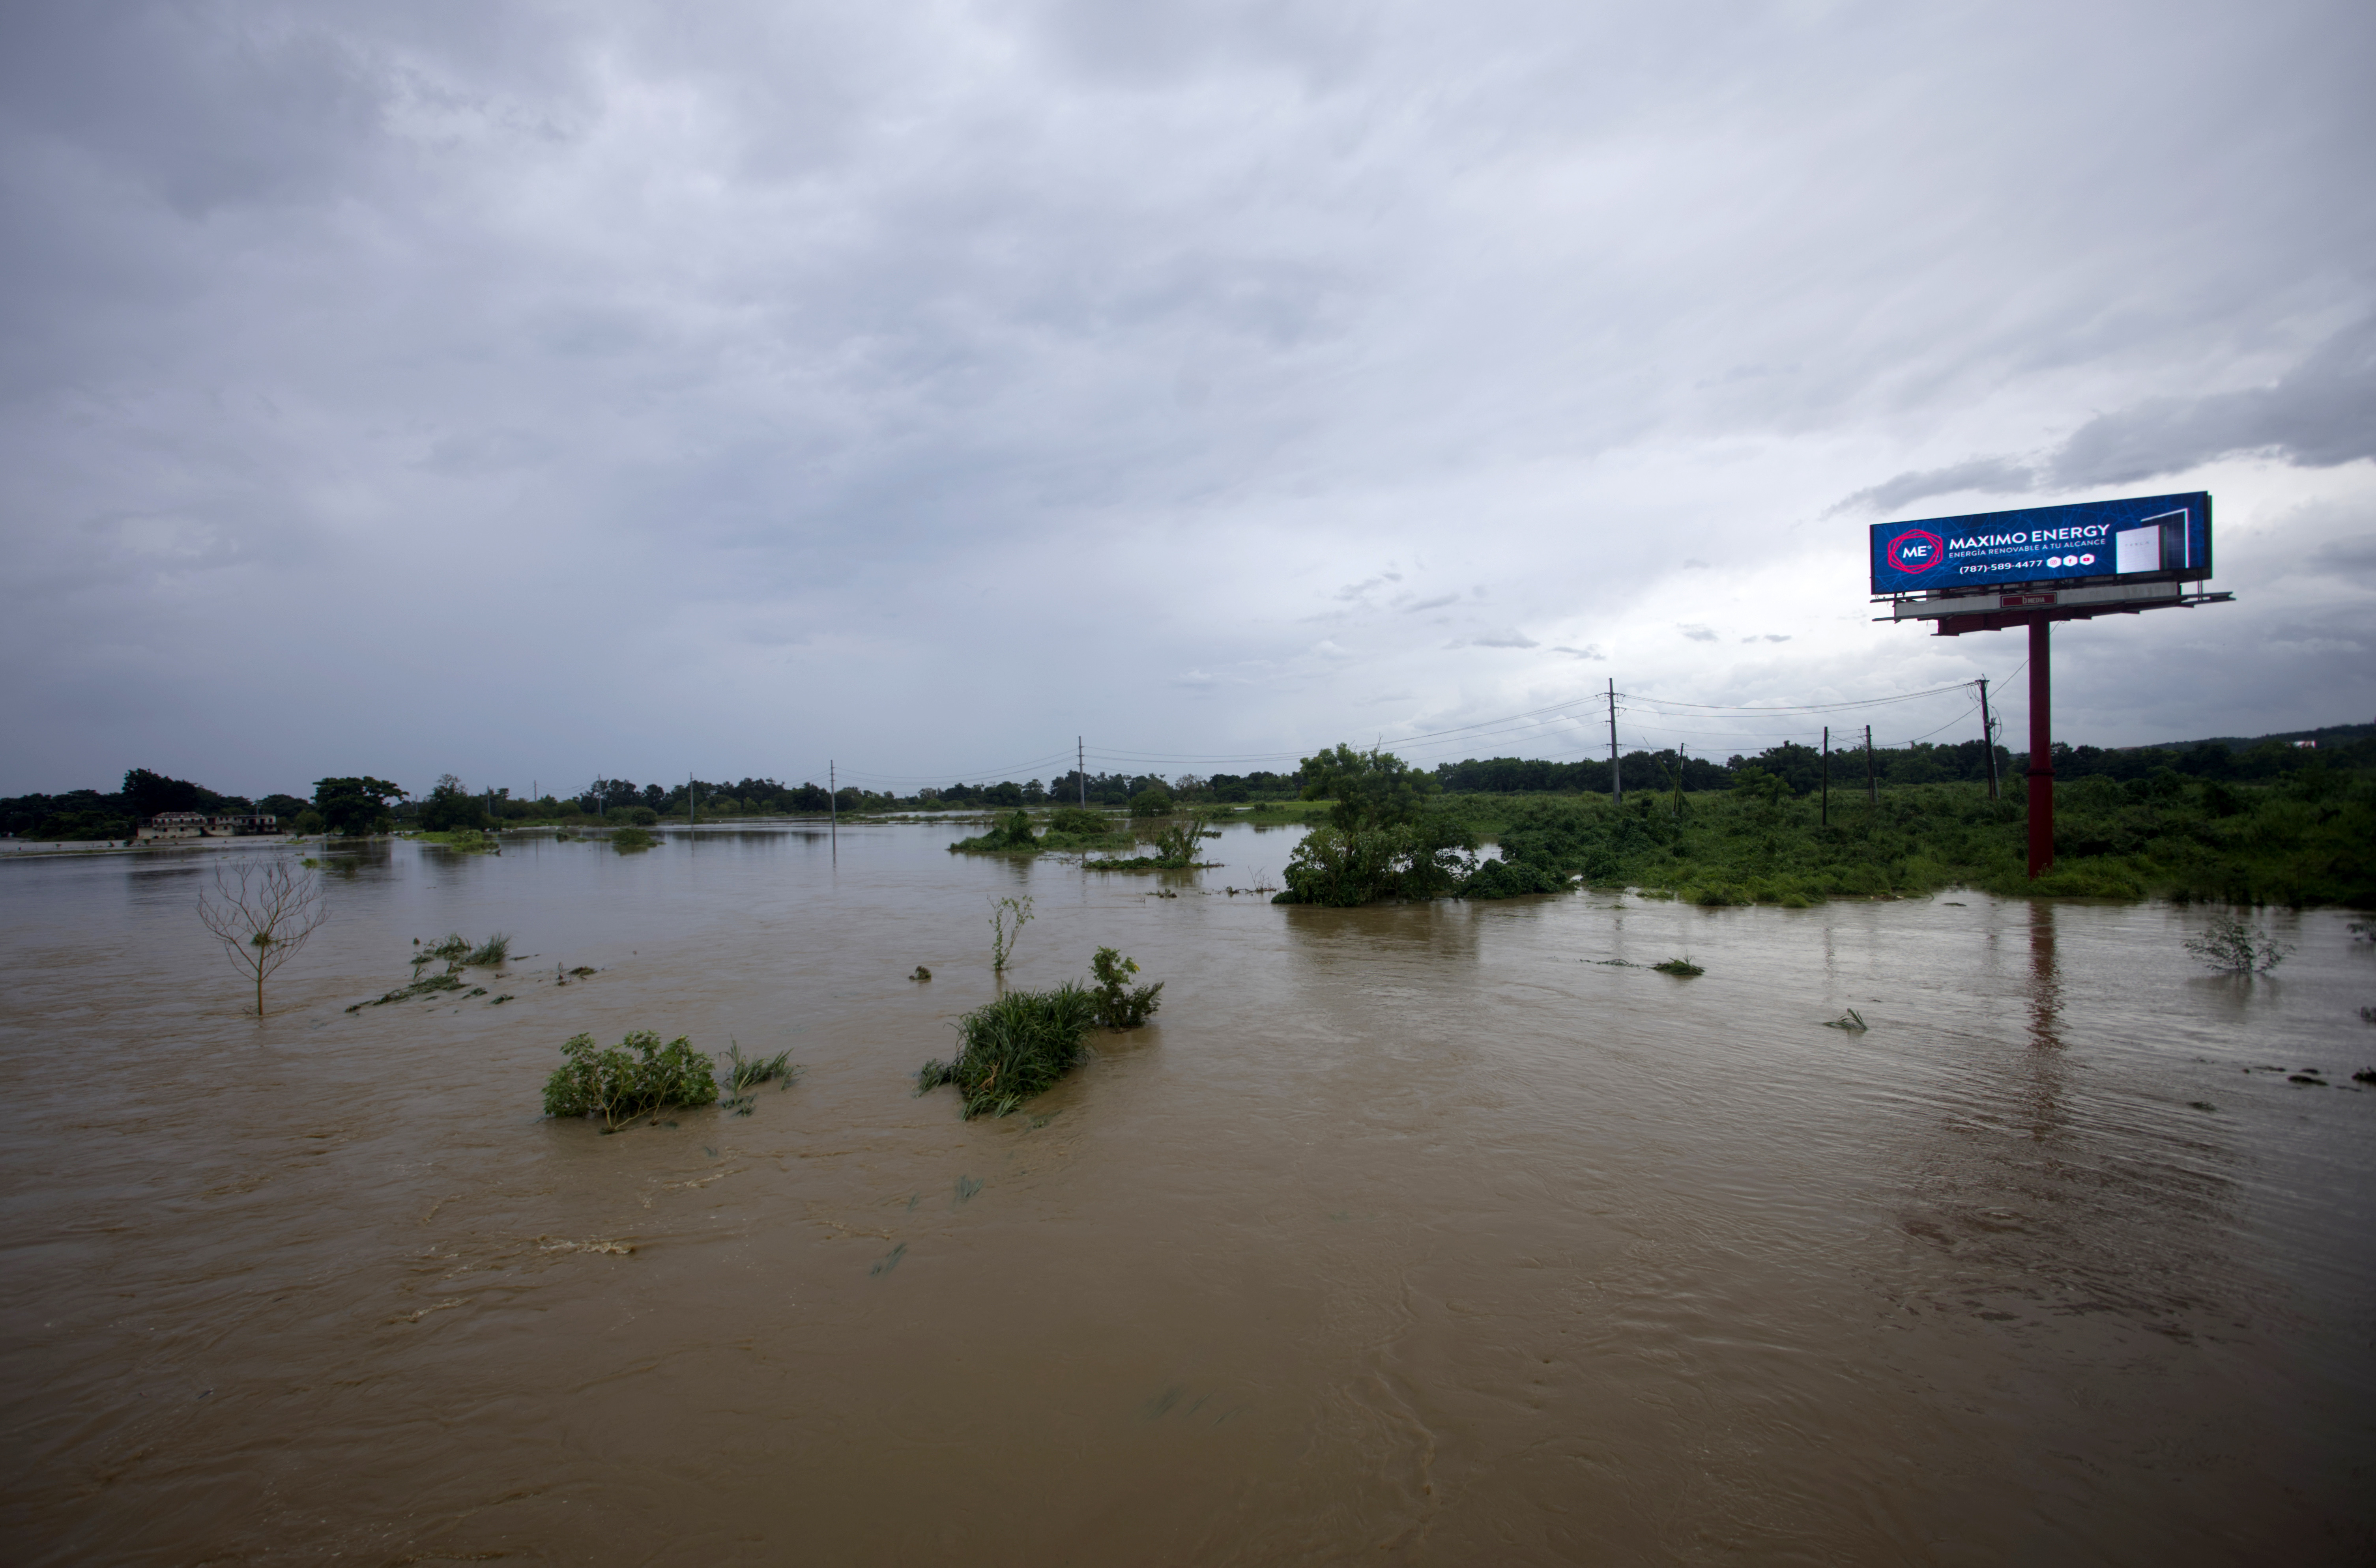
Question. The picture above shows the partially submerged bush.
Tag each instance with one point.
(2236, 946)
(1012, 831)
(1118, 1008)
(1426, 858)
(633, 1078)
(1078, 820)
(1014, 1048)
(629, 838)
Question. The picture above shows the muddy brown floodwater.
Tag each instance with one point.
(1428, 1234)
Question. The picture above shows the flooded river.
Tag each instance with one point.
(1430, 1234)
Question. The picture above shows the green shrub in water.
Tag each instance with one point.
(630, 838)
(1120, 1005)
(1078, 820)
(633, 1078)
(1013, 1047)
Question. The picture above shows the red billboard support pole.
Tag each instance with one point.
(2041, 751)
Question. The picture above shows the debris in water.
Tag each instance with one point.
(920, 973)
(966, 1187)
(2201, 1105)
(2305, 1078)
(1684, 966)
(2364, 1075)
(1851, 1020)
(887, 1262)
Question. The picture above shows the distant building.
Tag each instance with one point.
(176, 824)
(197, 825)
(243, 827)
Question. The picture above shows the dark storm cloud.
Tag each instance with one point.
(2318, 415)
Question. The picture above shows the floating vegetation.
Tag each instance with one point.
(1852, 1021)
(464, 841)
(967, 1188)
(635, 1077)
(2364, 1075)
(1120, 1006)
(628, 839)
(490, 953)
(501, 1000)
(1014, 1048)
(921, 974)
(2200, 1105)
(2236, 946)
(2310, 1077)
(418, 988)
(749, 1072)
(887, 1262)
(474, 991)
(1616, 964)
(1684, 966)
(453, 947)
(582, 970)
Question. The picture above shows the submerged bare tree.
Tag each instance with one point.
(261, 915)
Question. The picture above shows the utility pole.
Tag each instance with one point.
(692, 812)
(1827, 776)
(1872, 782)
(1081, 768)
(1682, 758)
(832, 803)
(1616, 770)
(1989, 737)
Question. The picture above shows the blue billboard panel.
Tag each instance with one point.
(2144, 538)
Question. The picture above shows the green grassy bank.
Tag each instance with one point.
(2308, 838)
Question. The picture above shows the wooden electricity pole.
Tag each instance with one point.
(1989, 737)
(1081, 767)
(1871, 781)
(1827, 776)
(1616, 770)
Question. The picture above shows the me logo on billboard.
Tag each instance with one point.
(1916, 551)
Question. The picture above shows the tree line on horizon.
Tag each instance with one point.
(363, 804)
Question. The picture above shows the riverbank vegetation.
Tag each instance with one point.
(2310, 839)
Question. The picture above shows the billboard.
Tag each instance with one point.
(2147, 538)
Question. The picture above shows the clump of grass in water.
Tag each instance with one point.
(1851, 1021)
(418, 988)
(749, 1072)
(1014, 1048)
(628, 839)
(1682, 967)
(490, 953)
(2236, 946)
(637, 1077)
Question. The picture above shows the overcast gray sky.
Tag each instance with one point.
(531, 392)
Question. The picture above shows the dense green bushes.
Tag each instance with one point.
(633, 1078)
